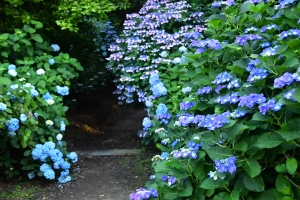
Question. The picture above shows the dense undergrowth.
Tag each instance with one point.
(220, 83)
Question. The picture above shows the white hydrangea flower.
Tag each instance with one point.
(50, 101)
(49, 122)
(59, 137)
(40, 72)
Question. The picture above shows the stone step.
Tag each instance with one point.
(113, 152)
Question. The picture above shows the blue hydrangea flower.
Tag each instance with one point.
(159, 90)
(51, 61)
(12, 66)
(34, 92)
(154, 79)
(12, 124)
(182, 49)
(14, 86)
(31, 175)
(55, 47)
(286, 79)
(187, 105)
(289, 95)
(12, 72)
(73, 157)
(147, 123)
(149, 104)
(164, 54)
(177, 60)
(62, 90)
(47, 96)
(3, 106)
(23, 118)
(186, 90)
(171, 180)
(62, 126)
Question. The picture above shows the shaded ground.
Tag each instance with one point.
(98, 123)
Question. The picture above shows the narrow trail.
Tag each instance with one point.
(97, 123)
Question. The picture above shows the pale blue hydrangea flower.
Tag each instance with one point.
(51, 61)
(23, 118)
(2, 106)
(55, 47)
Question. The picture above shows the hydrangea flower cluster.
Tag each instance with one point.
(289, 95)
(62, 90)
(2, 106)
(270, 105)
(257, 74)
(222, 78)
(252, 99)
(143, 193)
(55, 47)
(270, 51)
(147, 123)
(232, 98)
(47, 152)
(204, 90)
(241, 40)
(190, 152)
(162, 114)
(12, 70)
(286, 79)
(157, 86)
(211, 122)
(171, 180)
(48, 98)
(187, 105)
(226, 165)
(12, 124)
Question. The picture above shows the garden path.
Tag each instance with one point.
(98, 123)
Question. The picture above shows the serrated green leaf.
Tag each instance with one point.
(252, 167)
(283, 185)
(271, 194)
(234, 195)
(291, 165)
(255, 184)
(4, 54)
(209, 183)
(217, 153)
(269, 140)
(37, 38)
(290, 130)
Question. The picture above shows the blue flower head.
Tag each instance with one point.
(73, 157)
(161, 109)
(55, 47)
(154, 79)
(147, 123)
(62, 90)
(12, 124)
(3, 106)
(51, 61)
(23, 117)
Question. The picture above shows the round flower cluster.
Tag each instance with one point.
(232, 98)
(226, 165)
(190, 152)
(162, 113)
(170, 179)
(62, 90)
(222, 78)
(3, 106)
(157, 86)
(12, 124)
(252, 99)
(270, 105)
(143, 193)
(187, 105)
(48, 98)
(241, 40)
(55, 47)
(147, 123)
(12, 70)
(46, 153)
(286, 79)
(204, 90)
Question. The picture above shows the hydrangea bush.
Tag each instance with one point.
(35, 77)
(225, 111)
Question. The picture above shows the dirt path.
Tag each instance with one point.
(97, 123)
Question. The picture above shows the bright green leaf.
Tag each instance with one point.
(255, 184)
(252, 167)
(291, 165)
(283, 185)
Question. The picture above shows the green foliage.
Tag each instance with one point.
(264, 140)
(37, 72)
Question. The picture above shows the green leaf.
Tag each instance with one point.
(217, 153)
(15, 144)
(5, 81)
(290, 130)
(291, 14)
(187, 191)
(255, 184)
(245, 7)
(261, 117)
(271, 194)
(234, 195)
(283, 185)
(291, 165)
(42, 83)
(252, 167)
(4, 54)
(219, 196)
(221, 17)
(4, 36)
(291, 62)
(37, 38)
(199, 171)
(232, 133)
(281, 48)
(16, 46)
(297, 94)
(281, 168)
(209, 183)
(269, 140)
(27, 153)
(241, 145)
